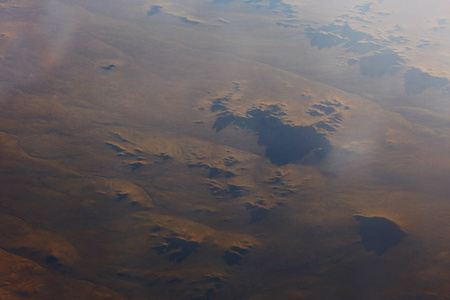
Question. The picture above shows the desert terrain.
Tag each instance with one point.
(224, 149)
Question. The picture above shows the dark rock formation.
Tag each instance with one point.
(177, 248)
(364, 47)
(325, 126)
(155, 9)
(188, 21)
(286, 25)
(379, 64)
(336, 34)
(352, 61)
(115, 147)
(378, 234)
(257, 213)
(223, 121)
(315, 113)
(219, 104)
(417, 81)
(231, 190)
(109, 67)
(235, 190)
(50, 259)
(234, 255)
(284, 143)
(326, 109)
(121, 196)
(135, 166)
(324, 40)
(164, 156)
(216, 172)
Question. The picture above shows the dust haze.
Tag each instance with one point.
(224, 149)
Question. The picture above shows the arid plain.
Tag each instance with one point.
(224, 149)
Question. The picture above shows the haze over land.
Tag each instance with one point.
(224, 149)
